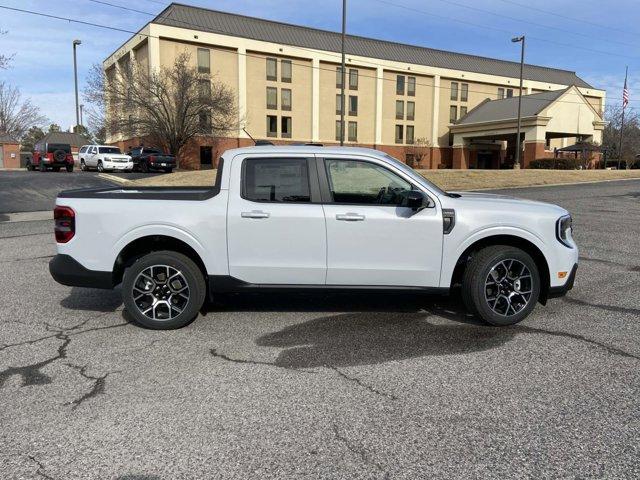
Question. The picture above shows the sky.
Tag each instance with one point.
(593, 38)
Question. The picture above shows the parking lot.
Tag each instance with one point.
(327, 386)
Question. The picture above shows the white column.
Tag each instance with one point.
(315, 100)
(242, 91)
(379, 93)
(435, 113)
(154, 50)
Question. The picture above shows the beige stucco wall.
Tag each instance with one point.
(141, 54)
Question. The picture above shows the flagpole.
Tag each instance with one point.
(626, 72)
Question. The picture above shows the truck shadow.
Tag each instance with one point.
(92, 299)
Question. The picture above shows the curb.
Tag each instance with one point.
(113, 178)
(26, 216)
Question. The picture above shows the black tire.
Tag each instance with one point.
(168, 170)
(191, 274)
(474, 287)
(43, 167)
(100, 167)
(59, 155)
(69, 168)
(144, 166)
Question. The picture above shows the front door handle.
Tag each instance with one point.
(350, 217)
(255, 214)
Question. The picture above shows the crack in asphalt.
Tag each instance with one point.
(222, 356)
(610, 308)
(41, 470)
(630, 268)
(360, 383)
(360, 452)
(98, 387)
(555, 333)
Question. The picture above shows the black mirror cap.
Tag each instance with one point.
(416, 200)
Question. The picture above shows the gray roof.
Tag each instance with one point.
(73, 139)
(202, 19)
(6, 138)
(507, 108)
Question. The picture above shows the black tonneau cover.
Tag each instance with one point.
(143, 193)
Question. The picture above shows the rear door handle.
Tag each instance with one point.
(255, 214)
(350, 217)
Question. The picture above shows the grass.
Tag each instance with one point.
(446, 179)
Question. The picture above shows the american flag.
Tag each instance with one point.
(625, 94)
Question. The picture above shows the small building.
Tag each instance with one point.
(74, 139)
(9, 152)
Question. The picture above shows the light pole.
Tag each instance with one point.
(516, 165)
(75, 76)
(342, 99)
(81, 107)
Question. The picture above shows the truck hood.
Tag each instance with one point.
(502, 202)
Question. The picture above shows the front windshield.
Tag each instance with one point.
(415, 175)
(115, 150)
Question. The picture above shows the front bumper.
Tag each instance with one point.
(66, 270)
(561, 291)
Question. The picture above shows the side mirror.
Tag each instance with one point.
(416, 200)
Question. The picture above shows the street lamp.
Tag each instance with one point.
(81, 107)
(516, 165)
(75, 76)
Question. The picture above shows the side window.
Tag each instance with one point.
(83, 149)
(365, 183)
(276, 180)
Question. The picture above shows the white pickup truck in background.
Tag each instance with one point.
(308, 218)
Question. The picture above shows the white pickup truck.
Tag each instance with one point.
(297, 218)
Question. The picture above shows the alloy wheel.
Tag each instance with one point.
(508, 287)
(160, 292)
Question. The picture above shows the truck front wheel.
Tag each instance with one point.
(163, 290)
(501, 285)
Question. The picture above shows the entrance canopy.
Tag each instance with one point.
(545, 116)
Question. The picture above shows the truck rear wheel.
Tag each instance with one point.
(501, 285)
(163, 290)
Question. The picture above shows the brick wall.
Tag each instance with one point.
(10, 149)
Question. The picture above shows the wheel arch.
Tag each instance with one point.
(153, 243)
(512, 241)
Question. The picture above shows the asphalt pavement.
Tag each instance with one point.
(328, 386)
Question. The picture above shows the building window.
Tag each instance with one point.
(285, 98)
(509, 92)
(454, 90)
(464, 92)
(463, 111)
(272, 126)
(285, 129)
(338, 104)
(285, 74)
(353, 79)
(410, 133)
(399, 109)
(272, 69)
(338, 130)
(339, 77)
(500, 93)
(453, 113)
(353, 105)
(411, 110)
(400, 85)
(411, 86)
(272, 98)
(204, 60)
(399, 133)
(353, 131)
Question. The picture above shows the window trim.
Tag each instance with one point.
(457, 91)
(411, 93)
(312, 174)
(274, 134)
(208, 50)
(349, 138)
(325, 189)
(353, 113)
(464, 92)
(282, 133)
(357, 77)
(399, 141)
(398, 115)
(404, 84)
(410, 117)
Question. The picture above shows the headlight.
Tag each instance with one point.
(563, 230)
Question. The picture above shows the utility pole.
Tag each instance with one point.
(81, 107)
(626, 72)
(517, 165)
(342, 99)
(75, 76)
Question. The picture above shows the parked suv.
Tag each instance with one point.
(52, 156)
(104, 158)
(146, 159)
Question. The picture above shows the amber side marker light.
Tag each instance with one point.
(562, 274)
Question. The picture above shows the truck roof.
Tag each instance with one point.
(309, 149)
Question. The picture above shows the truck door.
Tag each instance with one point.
(371, 238)
(275, 222)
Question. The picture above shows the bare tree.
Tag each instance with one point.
(16, 115)
(631, 137)
(5, 60)
(170, 106)
(420, 150)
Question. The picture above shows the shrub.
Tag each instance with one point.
(554, 163)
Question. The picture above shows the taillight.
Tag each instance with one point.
(65, 223)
